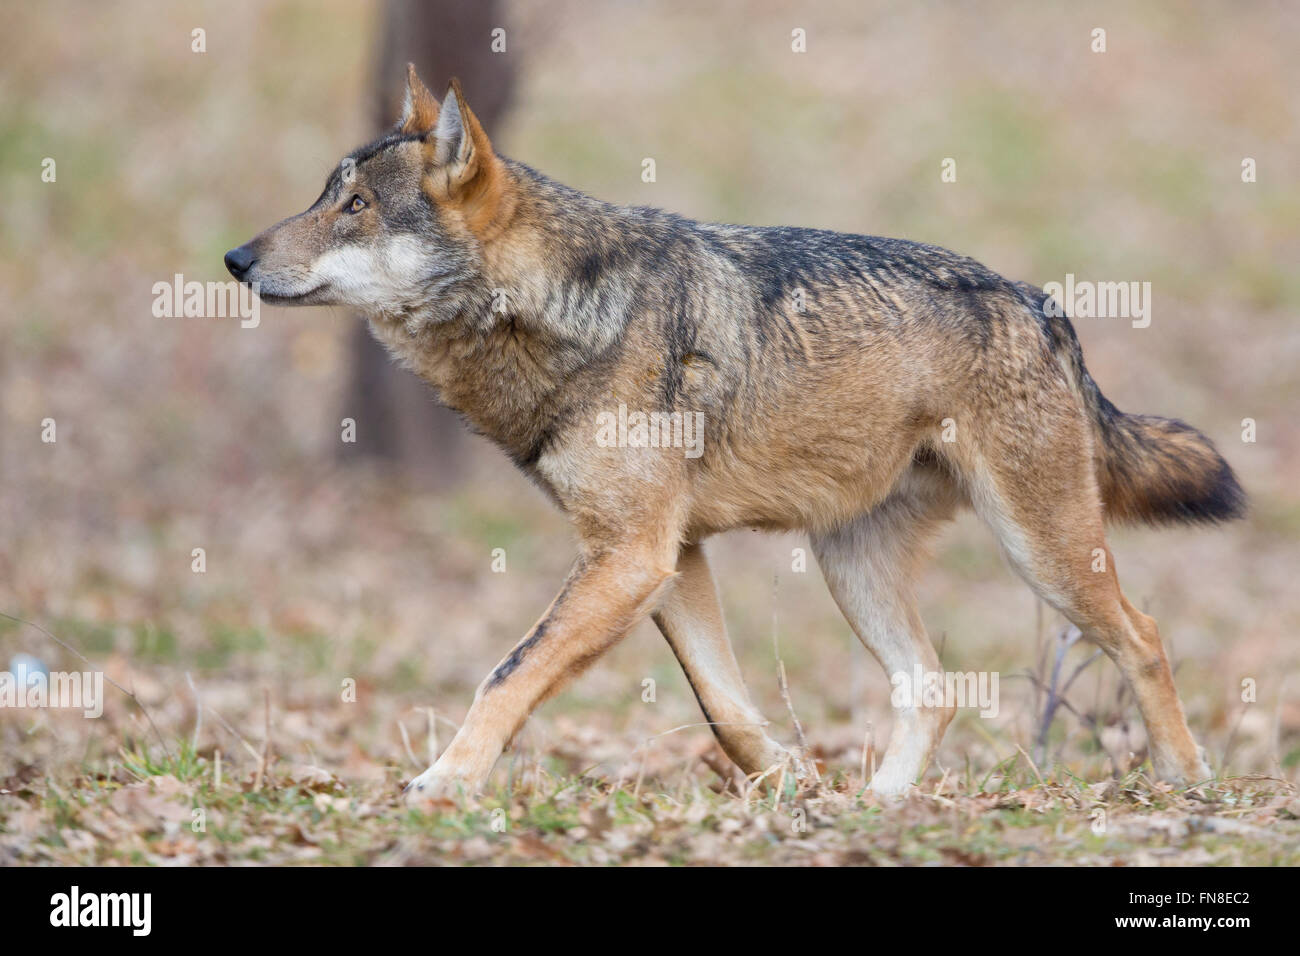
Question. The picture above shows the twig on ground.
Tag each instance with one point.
(785, 690)
(1055, 691)
(252, 751)
(198, 713)
(1277, 726)
(432, 742)
(938, 791)
(868, 754)
(1032, 765)
(406, 742)
(264, 762)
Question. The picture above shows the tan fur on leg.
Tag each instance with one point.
(690, 617)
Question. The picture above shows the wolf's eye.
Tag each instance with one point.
(357, 204)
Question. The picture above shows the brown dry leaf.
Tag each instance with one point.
(155, 801)
(77, 840)
(313, 778)
(324, 802)
(309, 837)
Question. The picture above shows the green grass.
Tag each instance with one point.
(294, 817)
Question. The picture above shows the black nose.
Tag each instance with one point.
(239, 261)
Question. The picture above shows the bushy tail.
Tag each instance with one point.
(1151, 470)
(1162, 471)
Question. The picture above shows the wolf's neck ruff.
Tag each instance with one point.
(500, 344)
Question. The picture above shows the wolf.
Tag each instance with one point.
(856, 388)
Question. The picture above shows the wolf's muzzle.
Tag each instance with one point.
(239, 261)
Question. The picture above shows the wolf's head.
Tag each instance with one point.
(400, 223)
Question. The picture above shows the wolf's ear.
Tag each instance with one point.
(419, 108)
(462, 149)
(464, 171)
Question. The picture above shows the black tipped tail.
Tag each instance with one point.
(1162, 471)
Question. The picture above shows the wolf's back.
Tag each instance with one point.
(1150, 470)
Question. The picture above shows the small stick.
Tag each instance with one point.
(1030, 761)
(198, 712)
(237, 735)
(433, 735)
(759, 778)
(868, 754)
(1277, 726)
(785, 686)
(944, 779)
(789, 704)
(265, 762)
(406, 743)
(640, 773)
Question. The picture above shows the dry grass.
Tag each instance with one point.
(178, 434)
(182, 810)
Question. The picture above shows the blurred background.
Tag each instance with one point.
(373, 562)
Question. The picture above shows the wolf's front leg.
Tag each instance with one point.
(690, 617)
(601, 600)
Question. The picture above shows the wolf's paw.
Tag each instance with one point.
(1184, 774)
(785, 765)
(890, 784)
(1199, 772)
(436, 785)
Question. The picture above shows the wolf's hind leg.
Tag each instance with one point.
(690, 618)
(869, 566)
(1049, 521)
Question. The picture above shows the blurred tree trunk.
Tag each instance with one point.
(398, 418)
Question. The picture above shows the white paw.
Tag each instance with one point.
(1170, 771)
(890, 783)
(436, 783)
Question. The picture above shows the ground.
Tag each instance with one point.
(340, 606)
